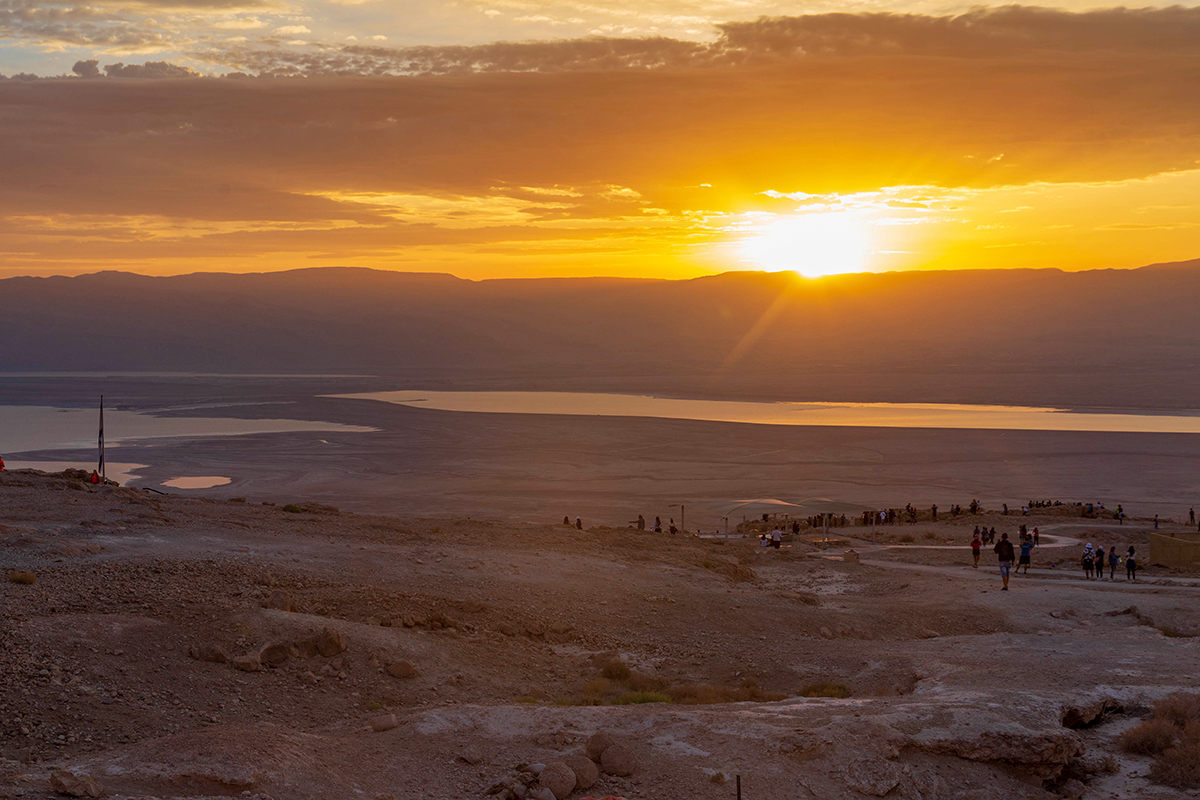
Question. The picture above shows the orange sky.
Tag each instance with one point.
(823, 143)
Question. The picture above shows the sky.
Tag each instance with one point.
(658, 138)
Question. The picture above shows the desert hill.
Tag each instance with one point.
(1086, 334)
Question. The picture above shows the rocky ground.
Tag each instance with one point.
(179, 647)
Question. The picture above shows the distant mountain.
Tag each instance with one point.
(1033, 335)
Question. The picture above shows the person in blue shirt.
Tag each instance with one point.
(1026, 549)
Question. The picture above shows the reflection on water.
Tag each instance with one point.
(197, 482)
(28, 428)
(871, 415)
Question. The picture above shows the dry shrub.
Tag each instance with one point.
(825, 689)
(1150, 738)
(596, 686)
(22, 577)
(907, 538)
(615, 670)
(707, 694)
(930, 535)
(1178, 766)
(1179, 709)
(630, 698)
(645, 683)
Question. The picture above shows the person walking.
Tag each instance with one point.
(1004, 553)
(976, 547)
(1156, 522)
(1192, 516)
(1131, 565)
(1113, 560)
(1026, 550)
(1036, 543)
(776, 537)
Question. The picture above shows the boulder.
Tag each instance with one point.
(402, 669)
(212, 653)
(281, 600)
(540, 793)
(596, 744)
(586, 771)
(273, 655)
(384, 722)
(1072, 789)
(330, 642)
(247, 663)
(617, 759)
(558, 778)
(69, 783)
(306, 647)
(471, 755)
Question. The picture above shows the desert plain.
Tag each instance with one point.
(208, 647)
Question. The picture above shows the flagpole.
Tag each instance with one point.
(102, 472)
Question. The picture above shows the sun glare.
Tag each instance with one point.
(813, 245)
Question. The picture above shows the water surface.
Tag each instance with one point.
(871, 415)
(197, 482)
(30, 428)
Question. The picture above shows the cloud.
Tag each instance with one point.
(87, 69)
(602, 135)
(292, 30)
(151, 69)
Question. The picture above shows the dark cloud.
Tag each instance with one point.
(980, 33)
(1007, 32)
(151, 69)
(87, 69)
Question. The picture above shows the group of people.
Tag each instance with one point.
(1093, 561)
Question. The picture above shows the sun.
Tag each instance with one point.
(813, 245)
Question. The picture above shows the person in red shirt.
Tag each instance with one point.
(95, 477)
(976, 546)
(1, 463)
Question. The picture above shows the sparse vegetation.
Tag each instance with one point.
(825, 689)
(706, 694)
(1172, 737)
(718, 778)
(371, 705)
(907, 538)
(292, 508)
(22, 577)
(630, 698)
(615, 670)
(597, 687)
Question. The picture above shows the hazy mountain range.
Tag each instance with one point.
(1106, 337)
